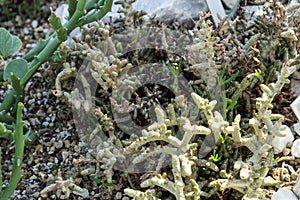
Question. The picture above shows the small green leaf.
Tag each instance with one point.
(102, 182)
(97, 180)
(215, 156)
(18, 67)
(9, 44)
(236, 74)
(223, 138)
(233, 104)
(176, 68)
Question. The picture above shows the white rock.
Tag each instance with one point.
(284, 194)
(297, 128)
(279, 143)
(83, 193)
(34, 23)
(216, 9)
(295, 150)
(296, 107)
(229, 3)
(296, 188)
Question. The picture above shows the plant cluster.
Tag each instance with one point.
(235, 57)
(213, 148)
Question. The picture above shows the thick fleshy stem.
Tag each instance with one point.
(19, 153)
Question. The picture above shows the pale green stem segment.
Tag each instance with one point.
(19, 153)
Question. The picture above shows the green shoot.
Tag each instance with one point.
(215, 156)
(176, 67)
(278, 159)
(0, 170)
(257, 72)
(223, 138)
(223, 82)
(102, 182)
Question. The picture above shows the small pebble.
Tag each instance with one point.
(58, 145)
(34, 23)
(295, 107)
(297, 128)
(26, 31)
(296, 148)
(118, 195)
(33, 177)
(39, 95)
(286, 151)
(279, 143)
(289, 144)
(39, 29)
(292, 162)
(45, 124)
(31, 101)
(36, 194)
(65, 155)
(67, 144)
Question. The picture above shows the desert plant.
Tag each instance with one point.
(246, 176)
(17, 72)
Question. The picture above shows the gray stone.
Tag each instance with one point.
(284, 193)
(229, 4)
(296, 107)
(297, 128)
(216, 9)
(184, 11)
(280, 142)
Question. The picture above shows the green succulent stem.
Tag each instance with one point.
(92, 4)
(19, 153)
(79, 12)
(97, 14)
(46, 47)
(8, 101)
(0, 170)
(35, 51)
(72, 7)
